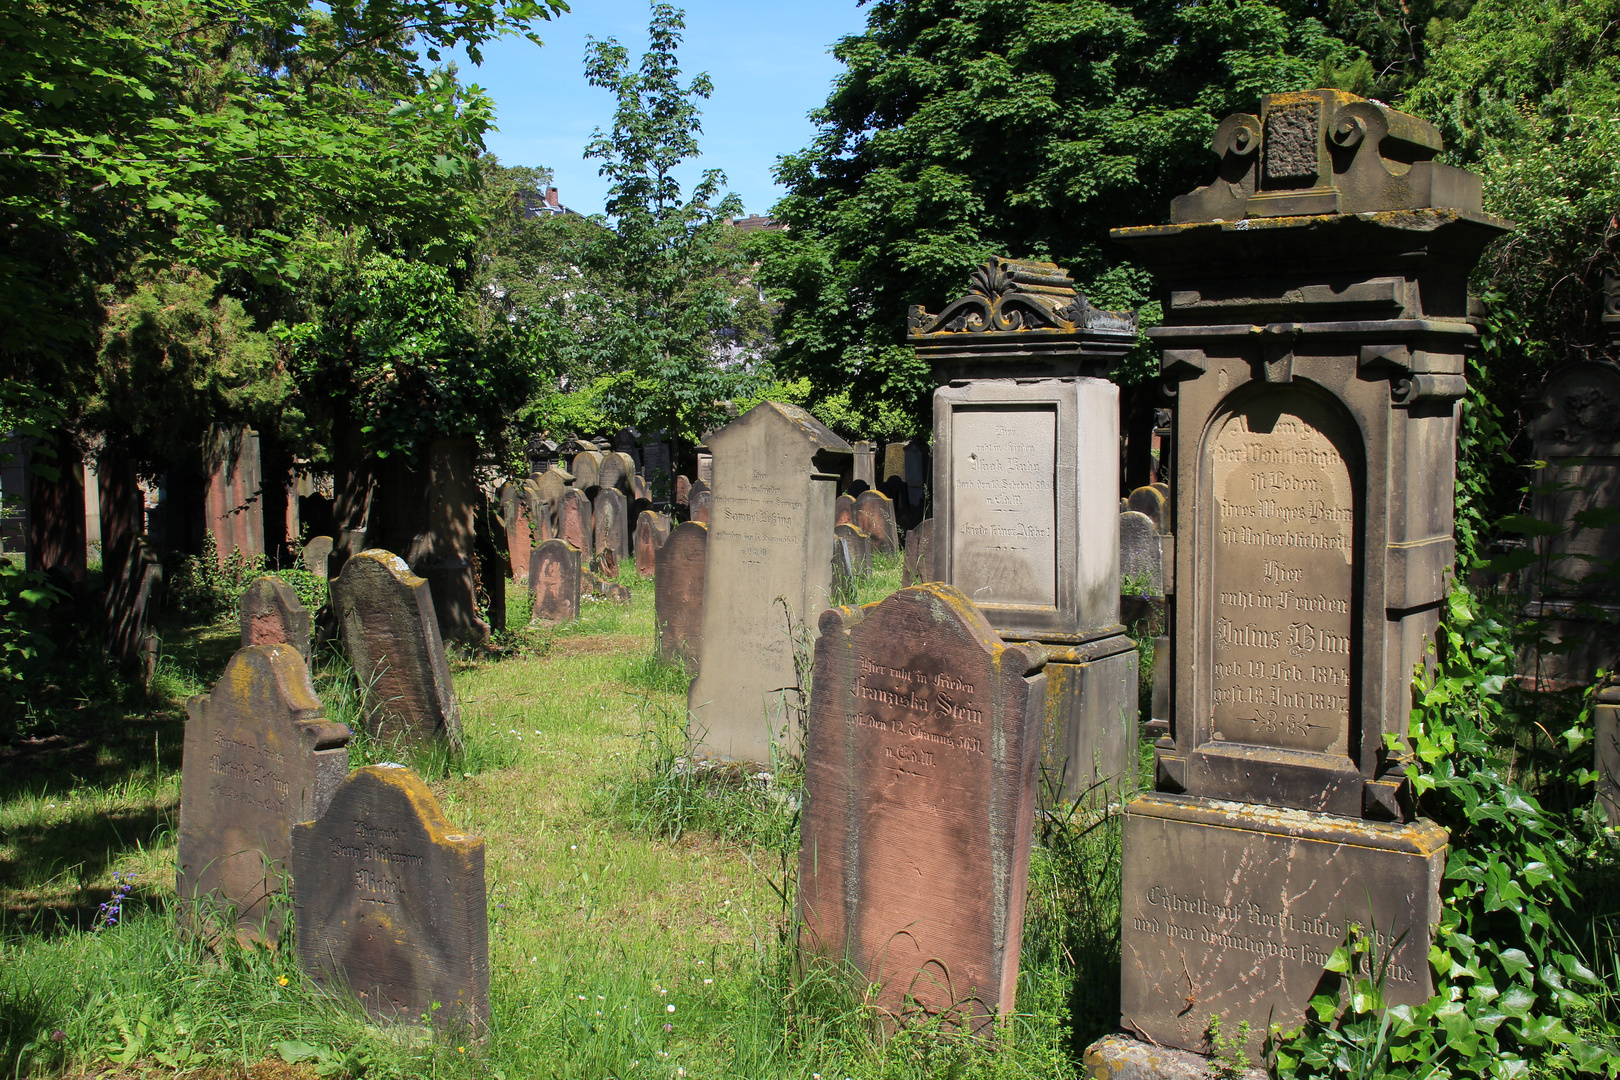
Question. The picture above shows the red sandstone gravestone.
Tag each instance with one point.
(391, 902)
(844, 510)
(919, 802)
(611, 517)
(682, 566)
(555, 573)
(259, 757)
(651, 532)
(874, 513)
(272, 615)
(392, 638)
(575, 521)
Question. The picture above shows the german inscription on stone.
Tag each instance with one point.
(919, 801)
(1283, 537)
(391, 902)
(1004, 547)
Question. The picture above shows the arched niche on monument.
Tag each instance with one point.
(1280, 508)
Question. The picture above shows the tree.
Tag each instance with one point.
(673, 267)
(967, 128)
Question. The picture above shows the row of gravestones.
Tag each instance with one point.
(387, 896)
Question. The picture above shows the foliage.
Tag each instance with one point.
(206, 586)
(968, 128)
(396, 350)
(678, 329)
(1516, 801)
(26, 646)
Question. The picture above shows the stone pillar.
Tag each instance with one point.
(56, 542)
(1317, 361)
(1026, 496)
(232, 498)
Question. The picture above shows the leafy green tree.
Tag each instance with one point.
(665, 329)
(966, 128)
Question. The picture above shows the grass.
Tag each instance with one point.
(640, 910)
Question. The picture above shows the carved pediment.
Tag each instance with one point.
(1015, 296)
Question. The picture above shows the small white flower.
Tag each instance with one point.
(669, 1008)
(582, 997)
(599, 997)
(708, 982)
(573, 847)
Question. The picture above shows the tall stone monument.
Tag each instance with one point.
(919, 802)
(1316, 319)
(769, 574)
(1026, 494)
(259, 757)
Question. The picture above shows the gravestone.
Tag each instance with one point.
(1575, 428)
(865, 465)
(683, 489)
(272, 615)
(894, 465)
(1313, 523)
(1141, 559)
(258, 758)
(129, 642)
(651, 532)
(860, 546)
(551, 484)
(611, 518)
(315, 555)
(606, 563)
(874, 513)
(918, 563)
(518, 502)
(919, 803)
(389, 630)
(575, 520)
(845, 589)
(705, 469)
(587, 470)
(1025, 495)
(844, 510)
(233, 509)
(1149, 502)
(776, 468)
(1606, 729)
(640, 494)
(555, 580)
(656, 467)
(682, 568)
(699, 503)
(613, 474)
(391, 902)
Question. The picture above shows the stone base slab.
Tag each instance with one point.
(1120, 1057)
(1089, 745)
(1232, 910)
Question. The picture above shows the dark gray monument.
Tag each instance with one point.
(391, 902)
(1026, 495)
(1318, 363)
(259, 757)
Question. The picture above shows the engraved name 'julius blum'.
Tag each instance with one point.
(1300, 638)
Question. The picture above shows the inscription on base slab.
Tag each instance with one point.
(1004, 487)
(1284, 535)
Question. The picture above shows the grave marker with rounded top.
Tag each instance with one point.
(874, 514)
(272, 615)
(315, 555)
(614, 474)
(575, 520)
(555, 580)
(683, 489)
(651, 532)
(587, 469)
(611, 524)
(1140, 556)
(918, 565)
(1149, 502)
(390, 632)
(775, 474)
(844, 510)
(259, 757)
(551, 484)
(860, 549)
(700, 503)
(391, 902)
(1319, 361)
(682, 567)
(919, 802)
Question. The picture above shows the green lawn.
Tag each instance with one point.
(640, 915)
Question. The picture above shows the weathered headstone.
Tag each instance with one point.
(606, 563)
(844, 510)
(1576, 599)
(860, 547)
(682, 568)
(258, 758)
(551, 484)
(705, 469)
(894, 464)
(1149, 502)
(683, 489)
(651, 532)
(919, 802)
(271, 614)
(315, 555)
(575, 520)
(1141, 559)
(770, 548)
(845, 588)
(613, 474)
(129, 642)
(233, 508)
(1313, 524)
(587, 470)
(611, 520)
(391, 902)
(555, 580)
(918, 563)
(392, 638)
(699, 504)
(1025, 493)
(874, 513)
(865, 466)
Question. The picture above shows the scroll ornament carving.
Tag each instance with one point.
(1013, 296)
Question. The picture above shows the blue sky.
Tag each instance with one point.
(770, 64)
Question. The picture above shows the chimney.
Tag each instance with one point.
(551, 198)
